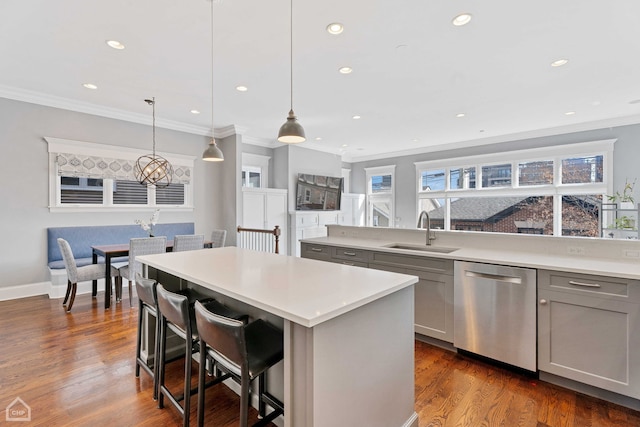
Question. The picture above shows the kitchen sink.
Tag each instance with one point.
(422, 248)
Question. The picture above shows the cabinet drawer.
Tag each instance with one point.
(349, 254)
(349, 262)
(590, 285)
(306, 220)
(321, 252)
(423, 263)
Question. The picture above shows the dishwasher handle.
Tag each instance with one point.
(498, 277)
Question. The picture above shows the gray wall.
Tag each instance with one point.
(24, 213)
(625, 160)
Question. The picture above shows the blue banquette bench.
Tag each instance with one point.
(83, 237)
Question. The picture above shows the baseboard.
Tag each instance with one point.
(412, 421)
(24, 291)
(53, 291)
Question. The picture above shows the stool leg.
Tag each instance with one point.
(187, 380)
(139, 338)
(244, 400)
(261, 388)
(156, 357)
(201, 379)
(163, 344)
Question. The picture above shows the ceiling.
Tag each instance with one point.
(413, 71)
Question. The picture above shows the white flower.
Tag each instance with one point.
(153, 221)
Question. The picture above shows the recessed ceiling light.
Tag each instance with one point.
(460, 115)
(90, 86)
(115, 44)
(569, 113)
(335, 28)
(559, 62)
(318, 138)
(415, 140)
(596, 103)
(195, 112)
(344, 145)
(356, 117)
(242, 88)
(462, 19)
(345, 70)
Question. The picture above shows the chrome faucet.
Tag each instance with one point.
(421, 218)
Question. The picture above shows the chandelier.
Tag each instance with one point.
(151, 169)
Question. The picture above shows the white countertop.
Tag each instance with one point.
(520, 258)
(304, 291)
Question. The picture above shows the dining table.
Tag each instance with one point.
(109, 252)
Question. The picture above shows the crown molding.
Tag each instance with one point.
(537, 133)
(96, 110)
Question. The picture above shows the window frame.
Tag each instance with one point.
(380, 196)
(256, 163)
(58, 145)
(516, 157)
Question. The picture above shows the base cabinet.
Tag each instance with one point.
(588, 330)
(433, 292)
(433, 296)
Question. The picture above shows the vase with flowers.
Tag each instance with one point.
(148, 226)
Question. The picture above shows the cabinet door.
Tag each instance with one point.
(433, 302)
(253, 210)
(276, 214)
(589, 339)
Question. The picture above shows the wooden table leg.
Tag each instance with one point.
(94, 289)
(107, 282)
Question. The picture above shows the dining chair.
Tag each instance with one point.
(244, 352)
(139, 246)
(188, 242)
(218, 238)
(85, 273)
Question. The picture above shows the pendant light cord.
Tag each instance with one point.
(291, 52)
(212, 126)
(153, 114)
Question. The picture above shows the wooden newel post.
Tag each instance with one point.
(276, 232)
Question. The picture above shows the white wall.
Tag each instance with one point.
(24, 213)
(625, 159)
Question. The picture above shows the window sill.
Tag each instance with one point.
(83, 208)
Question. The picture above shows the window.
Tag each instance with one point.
(86, 176)
(255, 170)
(552, 191)
(380, 196)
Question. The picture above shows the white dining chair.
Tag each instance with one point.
(188, 242)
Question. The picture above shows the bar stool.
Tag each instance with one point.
(175, 313)
(244, 352)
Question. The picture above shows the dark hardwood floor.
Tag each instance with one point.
(78, 369)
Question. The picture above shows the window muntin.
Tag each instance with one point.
(433, 180)
(567, 183)
(251, 177)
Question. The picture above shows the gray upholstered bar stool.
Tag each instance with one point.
(175, 313)
(244, 352)
(188, 242)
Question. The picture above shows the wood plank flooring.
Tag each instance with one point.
(78, 369)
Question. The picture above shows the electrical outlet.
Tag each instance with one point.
(631, 253)
(575, 250)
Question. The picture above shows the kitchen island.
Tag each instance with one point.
(348, 331)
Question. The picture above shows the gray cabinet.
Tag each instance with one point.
(588, 330)
(433, 292)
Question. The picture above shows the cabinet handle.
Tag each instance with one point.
(543, 302)
(349, 253)
(316, 249)
(586, 285)
(508, 279)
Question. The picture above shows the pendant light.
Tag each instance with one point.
(212, 153)
(291, 132)
(151, 169)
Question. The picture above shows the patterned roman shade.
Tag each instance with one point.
(84, 166)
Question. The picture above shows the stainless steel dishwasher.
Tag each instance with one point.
(495, 312)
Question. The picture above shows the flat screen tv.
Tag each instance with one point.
(318, 193)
